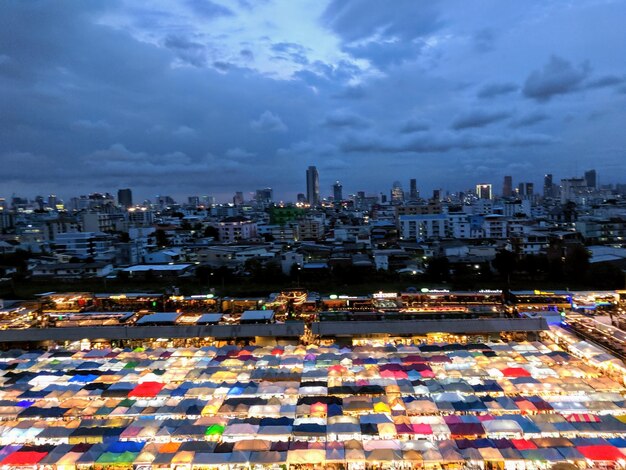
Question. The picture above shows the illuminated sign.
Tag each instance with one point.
(385, 295)
(333, 297)
(435, 291)
(490, 291)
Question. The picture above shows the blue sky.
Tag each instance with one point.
(211, 97)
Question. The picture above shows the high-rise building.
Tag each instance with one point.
(571, 188)
(301, 198)
(337, 192)
(53, 201)
(124, 198)
(264, 196)
(238, 198)
(397, 193)
(312, 186)
(507, 186)
(530, 190)
(483, 191)
(547, 186)
(193, 201)
(591, 178)
(436, 194)
(413, 192)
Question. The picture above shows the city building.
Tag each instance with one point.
(591, 179)
(337, 192)
(312, 186)
(483, 191)
(397, 193)
(507, 186)
(124, 198)
(413, 192)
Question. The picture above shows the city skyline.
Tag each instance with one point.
(203, 97)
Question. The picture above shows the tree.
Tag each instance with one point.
(161, 238)
(576, 264)
(438, 269)
(505, 263)
(211, 231)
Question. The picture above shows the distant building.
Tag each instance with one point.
(238, 198)
(234, 229)
(413, 192)
(571, 188)
(312, 186)
(337, 192)
(548, 190)
(264, 196)
(193, 201)
(483, 191)
(591, 178)
(507, 186)
(124, 198)
(397, 193)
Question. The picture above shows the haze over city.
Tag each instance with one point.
(208, 97)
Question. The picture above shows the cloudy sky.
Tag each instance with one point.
(215, 96)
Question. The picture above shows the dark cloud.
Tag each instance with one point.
(290, 51)
(557, 77)
(415, 125)
(355, 92)
(361, 19)
(188, 51)
(478, 118)
(496, 89)
(343, 119)
(247, 54)
(384, 36)
(268, 122)
(209, 9)
(529, 119)
(438, 143)
(605, 81)
(484, 40)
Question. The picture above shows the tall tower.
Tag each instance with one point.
(413, 192)
(312, 186)
(507, 187)
(397, 193)
(483, 191)
(591, 178)
(337, 192)
(548, 186)
(125, 197)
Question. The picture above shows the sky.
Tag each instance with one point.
(209, 97)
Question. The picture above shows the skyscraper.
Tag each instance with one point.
(483, 191)
(125, 197)
(312, 186)
(413, 192)
(397, 193)
(337, 192)
(507, 186)
(591, 178)
(547, 186)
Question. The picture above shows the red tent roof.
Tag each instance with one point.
(583, 418)
(24, 458)
(523, 444)
(515, 372)
(602, 453)
(146, 389)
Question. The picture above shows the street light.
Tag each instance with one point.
(299, 269)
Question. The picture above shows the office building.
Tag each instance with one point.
(507, 186)
(312, 186)
(337, 192)
(124, 198)
(591, 179)
(397, 193)
(264, 196)
(238, 198)
(547, 186)
(483, 191)
(413, 192)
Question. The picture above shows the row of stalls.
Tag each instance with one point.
(476, 405)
